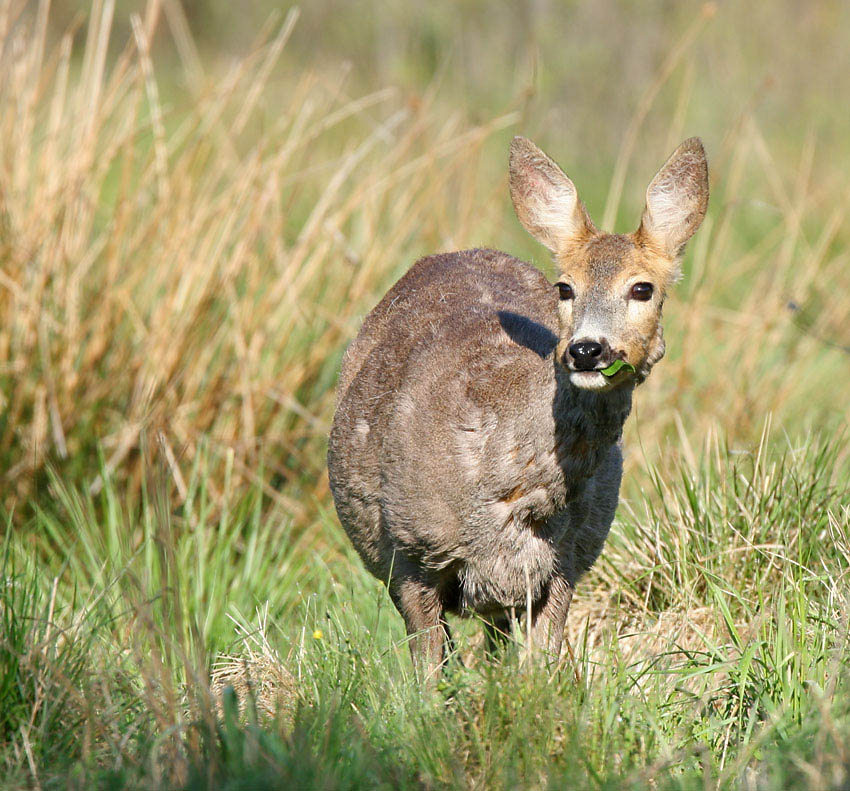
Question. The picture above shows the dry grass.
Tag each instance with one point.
(261, 683)
(190, 270)
(168, 273)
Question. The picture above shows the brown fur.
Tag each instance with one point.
(473, 467)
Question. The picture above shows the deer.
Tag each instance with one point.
(475, 455)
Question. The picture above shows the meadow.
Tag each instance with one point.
(198, 208)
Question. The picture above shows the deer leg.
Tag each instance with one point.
(421, 607)
(549, 620)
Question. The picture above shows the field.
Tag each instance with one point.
(198, 208)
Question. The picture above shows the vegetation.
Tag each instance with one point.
(188, 241)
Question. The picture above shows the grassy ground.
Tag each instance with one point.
(709, 648)
(187, 242)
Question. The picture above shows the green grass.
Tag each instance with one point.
(719, 657)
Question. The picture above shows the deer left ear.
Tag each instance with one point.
(676, 200)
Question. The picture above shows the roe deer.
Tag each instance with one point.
(475, 455)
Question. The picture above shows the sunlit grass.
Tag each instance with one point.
(191, 271)
(709, 642)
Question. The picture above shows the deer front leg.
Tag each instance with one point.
(549, 620)
(421, 606)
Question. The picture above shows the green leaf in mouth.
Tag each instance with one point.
(616, 366)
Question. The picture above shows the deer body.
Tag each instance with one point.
(475, 453)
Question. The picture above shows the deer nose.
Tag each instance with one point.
(585, 354)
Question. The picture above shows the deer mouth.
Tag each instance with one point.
(593, 379)
(602, 377)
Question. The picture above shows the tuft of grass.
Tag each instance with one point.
(169, 270)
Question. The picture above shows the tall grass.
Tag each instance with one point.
(191, 274)
(185, 252)
(188, 271)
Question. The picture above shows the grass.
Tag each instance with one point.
(113, 666)
(186, 245)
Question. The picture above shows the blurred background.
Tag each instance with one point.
(200, 204)
(582, 67)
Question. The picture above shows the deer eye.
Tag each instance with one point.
(641, 292)
(565, 291)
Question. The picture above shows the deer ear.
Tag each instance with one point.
(676, 200)
(545, 200)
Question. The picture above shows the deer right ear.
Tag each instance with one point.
(545, 200)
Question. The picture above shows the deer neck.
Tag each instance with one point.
(588, 418)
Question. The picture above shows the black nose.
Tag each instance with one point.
(585, 354)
